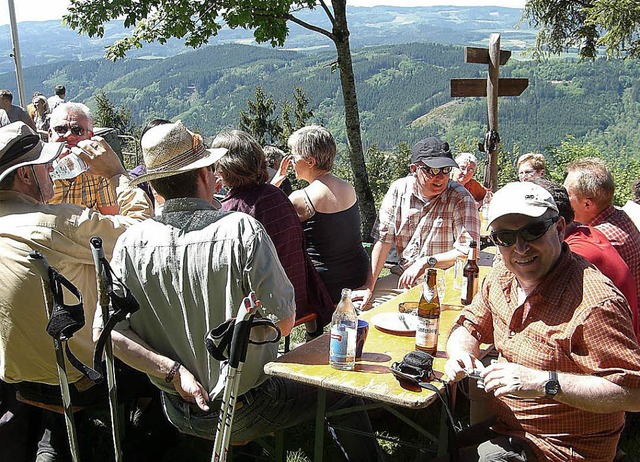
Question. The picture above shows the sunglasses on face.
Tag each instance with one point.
(529, 233)
(434, 171)
(76, 130)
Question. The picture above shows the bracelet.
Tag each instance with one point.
(172, 372)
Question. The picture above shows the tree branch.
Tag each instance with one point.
(311, 27)
(328, 12)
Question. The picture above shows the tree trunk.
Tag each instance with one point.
(352, 119)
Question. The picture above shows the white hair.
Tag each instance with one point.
(466, 158)
(62, 110)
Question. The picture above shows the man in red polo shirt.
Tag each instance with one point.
(569, 363)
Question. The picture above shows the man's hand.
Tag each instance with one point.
(460, 364)
(410, 276)
(190, 389)
(101, 159)
(515, 380)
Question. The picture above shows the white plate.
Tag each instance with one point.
(392, 323)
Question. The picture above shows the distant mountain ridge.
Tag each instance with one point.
(45, 42)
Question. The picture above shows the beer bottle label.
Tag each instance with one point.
(342, 344)
(427, 332)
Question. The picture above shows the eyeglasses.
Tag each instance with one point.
(76, 130)
(529, 233)
(526, 173)
(434, 171)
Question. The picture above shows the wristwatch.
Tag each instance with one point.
(432, 261)
(551, 386)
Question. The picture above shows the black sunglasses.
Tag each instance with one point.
(529, 233)
(434, 171)
(76, 130)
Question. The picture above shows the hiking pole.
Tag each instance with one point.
(237, 356)
(47, 274)
(103, 277)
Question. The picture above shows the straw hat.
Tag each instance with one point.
(171, 149)
(20, 146)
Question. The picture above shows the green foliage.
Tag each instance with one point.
(109, 115)
(383, 167)
(261, 121)
(586, 25)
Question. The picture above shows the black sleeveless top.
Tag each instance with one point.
(334, 244)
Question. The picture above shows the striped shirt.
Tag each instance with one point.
(576, 321)
(87, 190)
(420, 227)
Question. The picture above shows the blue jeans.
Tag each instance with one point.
(274, 405)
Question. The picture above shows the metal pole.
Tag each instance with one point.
(16, 54)
(103, 279)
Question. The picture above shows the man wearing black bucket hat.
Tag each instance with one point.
(430, 219)
(61, 233)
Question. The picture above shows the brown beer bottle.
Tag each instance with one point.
(428, 315)
(470, 275)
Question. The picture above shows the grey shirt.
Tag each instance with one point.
(190, 269)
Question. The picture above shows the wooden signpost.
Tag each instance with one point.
(491, 88)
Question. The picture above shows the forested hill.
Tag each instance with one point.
(403, 92)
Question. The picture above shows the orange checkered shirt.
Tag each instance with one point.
(576, 321)
(88, 190)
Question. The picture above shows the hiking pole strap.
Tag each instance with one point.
(64, 319)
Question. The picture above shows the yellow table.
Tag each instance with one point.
(371, 379)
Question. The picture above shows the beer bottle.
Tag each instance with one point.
(344, 325)
(470, 275)
(428, 315)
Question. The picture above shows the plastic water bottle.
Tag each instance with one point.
(344, 325)
(70, 166)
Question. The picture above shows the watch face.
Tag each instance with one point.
(432, 261)
(551, 388)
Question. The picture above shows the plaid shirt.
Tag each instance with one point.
(421, 227)
(576, 321)
(624, 237)
(87, 190)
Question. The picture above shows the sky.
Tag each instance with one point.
(41, 10)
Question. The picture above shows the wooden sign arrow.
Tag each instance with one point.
(478, 87)
(481, 56)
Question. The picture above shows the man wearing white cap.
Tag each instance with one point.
(190, 268)
(61, 233)
(569, 364)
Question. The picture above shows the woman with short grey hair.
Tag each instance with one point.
(328, 210)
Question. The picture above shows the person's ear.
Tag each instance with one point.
(413, 169)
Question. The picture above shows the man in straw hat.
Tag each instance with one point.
(569, 363)
(61, 233)
(190, 268)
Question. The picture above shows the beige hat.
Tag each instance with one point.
(20, 146)
(171, 149)
(522, 198)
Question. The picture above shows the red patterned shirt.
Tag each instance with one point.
(576, 321)
(421, 227)
(624, 237)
